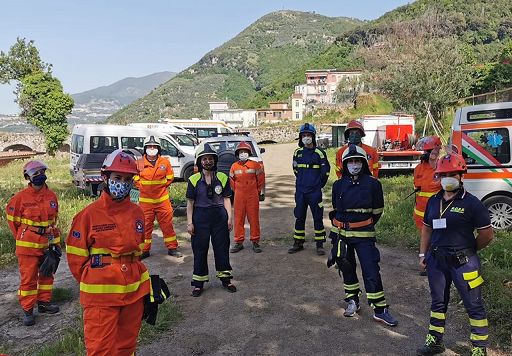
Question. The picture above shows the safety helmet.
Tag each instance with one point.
(428, 143)
(121, 161)
(354, 151)
(451, 163)
(243, 146)
(307, 128)
(150, 141)
(204, 150)
(354, 125)
(31, 167)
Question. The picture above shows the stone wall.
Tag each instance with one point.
(281, 133)
(26, 142)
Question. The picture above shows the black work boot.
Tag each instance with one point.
(432, 346)
(256, 247)
(28, 318)
(144, 255)
(320, 249)
(297, 246)
(47, 307)
(174, 252)
(237, 247)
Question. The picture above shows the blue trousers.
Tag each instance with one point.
(314, 201)
(210, 223)
(442, 271)
(369, 258)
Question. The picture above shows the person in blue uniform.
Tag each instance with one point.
(209, 217)
(358, 203)
(311, 170)
(448, 251)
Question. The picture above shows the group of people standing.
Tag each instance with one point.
(109, 238)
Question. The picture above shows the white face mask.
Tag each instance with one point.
(244, 156)
(450, 184)
(307, 140)
(152, 151)
(354, 168)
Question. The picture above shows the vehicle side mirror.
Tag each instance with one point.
(180, 154)
(262, 150)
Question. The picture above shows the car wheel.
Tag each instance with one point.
(188, 172)
(500, 211)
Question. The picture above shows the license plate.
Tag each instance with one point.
(400, 165)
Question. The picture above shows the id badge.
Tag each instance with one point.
(439, 223)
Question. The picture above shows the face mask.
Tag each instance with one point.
(152, 151)
(354, 137)
(39, 180)
(119, 190)
(208, 166)
(244, 156)
(450, 184)
(354, 168)
(307, 140)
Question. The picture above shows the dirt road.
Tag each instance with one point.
(285, 304)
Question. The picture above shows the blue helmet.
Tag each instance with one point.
(307, 128)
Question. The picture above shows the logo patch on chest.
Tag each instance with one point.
(139, 226)
(218, 189)
(53, 204)
(455, 209)
(75, 234)
(162, 167)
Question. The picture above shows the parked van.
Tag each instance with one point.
(182, 136)
(203, 128)
(483, 133)
(90, 144)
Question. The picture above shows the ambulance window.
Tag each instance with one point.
(77, 144)
(104, 144)
(495, 142)
(133, 143)
(168, 149)
(499, 114)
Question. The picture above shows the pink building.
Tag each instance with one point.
(277, 112)
(321, 84)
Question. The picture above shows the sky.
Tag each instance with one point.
(98, 42)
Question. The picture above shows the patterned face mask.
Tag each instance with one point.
(119, 190)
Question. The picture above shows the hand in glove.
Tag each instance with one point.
(50, 261)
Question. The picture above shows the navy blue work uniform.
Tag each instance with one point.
(358, 205)
(311, 170)
(210, 219)
(452, 257)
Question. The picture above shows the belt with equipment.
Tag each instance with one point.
(103, 260)
(351, 225)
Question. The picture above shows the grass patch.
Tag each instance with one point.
(62, 295)
(169, 314)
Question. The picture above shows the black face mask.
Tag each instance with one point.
(38, 180)
(425, 157)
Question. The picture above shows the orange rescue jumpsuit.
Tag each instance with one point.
(32, 215)
(247, 180)
(424, 181)
(103, 249)
(152, 183)
(371, 153)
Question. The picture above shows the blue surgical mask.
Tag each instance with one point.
(39, 179)
(119, 190)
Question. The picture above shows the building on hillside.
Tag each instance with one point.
(277, 112)
(321, 85)
(297, 106)
(236, 118)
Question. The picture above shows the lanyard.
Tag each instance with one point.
(441, 211)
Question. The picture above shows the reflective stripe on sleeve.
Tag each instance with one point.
(419, 213)
(426, 194)
(29, 222)
(30, 244)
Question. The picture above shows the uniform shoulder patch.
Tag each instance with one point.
(139, 226)
(75, 234)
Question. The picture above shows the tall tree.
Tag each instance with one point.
(22, 59)
(45, 105)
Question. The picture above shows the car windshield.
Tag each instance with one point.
(227, 145)
(184, 140)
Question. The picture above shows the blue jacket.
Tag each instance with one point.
(311, 169)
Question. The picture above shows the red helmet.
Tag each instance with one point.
(451, 163)
(32, 167)
(428, 143)
(120, 161)
(243, 146)
(354, 125)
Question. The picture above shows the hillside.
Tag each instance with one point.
(274, 46)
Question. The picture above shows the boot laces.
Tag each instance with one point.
(478, 351)
(431, 340)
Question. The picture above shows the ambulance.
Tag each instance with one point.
(482, 133)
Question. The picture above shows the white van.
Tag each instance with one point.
(202, 128)
(184, 137)
(90, 144)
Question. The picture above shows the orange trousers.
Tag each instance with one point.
(33, 287)
(247, 205)
(110, 331)
(163, 213)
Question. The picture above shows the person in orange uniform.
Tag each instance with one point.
(103, 251)
(153, 183)
(32, 215)
(247, 179)
(353, 135)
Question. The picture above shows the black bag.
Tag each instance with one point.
(50, 261)
(158, 294)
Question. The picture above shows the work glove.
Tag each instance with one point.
(158, 294)
(50, 261)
